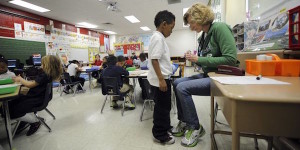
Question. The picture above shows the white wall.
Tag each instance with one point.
(180, 41)
(235, 12)
(277, 7)
(112, 40)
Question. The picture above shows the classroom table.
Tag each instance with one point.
(270, 110)
(89, 71)
(4, 99)
(143, 74)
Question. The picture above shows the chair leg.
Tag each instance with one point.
(15, 128)
(48, 111)
(61, 92)
(75, 89)
(104, 103)
(270, 143)
(141, 117)
(43, 122)
(122, 112)
(256, 144)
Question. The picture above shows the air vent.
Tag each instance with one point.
(173, 1)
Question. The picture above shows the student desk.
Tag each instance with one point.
(143, 74)
(89, 71)
(271, 110)
(5, 98)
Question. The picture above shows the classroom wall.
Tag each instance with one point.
(276, 7)
(7, 23)
(180, 41)
(235, 12)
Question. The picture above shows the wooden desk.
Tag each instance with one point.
(271, 110)
(5, 98)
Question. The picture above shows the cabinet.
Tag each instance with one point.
(238, 33)
(244, 34)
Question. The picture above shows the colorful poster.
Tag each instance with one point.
(106, 43)
(34, 28)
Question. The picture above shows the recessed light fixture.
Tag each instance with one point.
(29, 5)
(110, 32)
(145, 28)
(132, 19)
(86, 25)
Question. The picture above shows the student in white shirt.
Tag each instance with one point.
(74, 71)
(4, 72)
(160, 70)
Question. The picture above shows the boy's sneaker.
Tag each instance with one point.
(114, 104)
(170, 140)
(33, 128)
(179, 130)
(22, 126)
(191, 137)
(129, 105)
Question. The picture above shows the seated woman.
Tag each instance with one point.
(20, 108)
(97, 61)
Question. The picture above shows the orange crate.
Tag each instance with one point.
(265, 68)
(288, 67)
(275, 67)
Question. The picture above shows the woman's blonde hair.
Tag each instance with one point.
(52, 66)
(200, 14)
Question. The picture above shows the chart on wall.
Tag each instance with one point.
(272, 33)
(72, 45)
(143, 38)
(32, 32)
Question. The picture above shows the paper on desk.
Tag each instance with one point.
(138, 72)
(246, 80)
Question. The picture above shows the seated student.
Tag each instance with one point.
(129, 62)
(103, 66)
(4, 72)
(74, 72)
(133, 57)
(117, 71)
(144, 61)
(20, 108)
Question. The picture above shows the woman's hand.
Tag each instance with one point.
(191, 57)
(163, 85)
(17, 78)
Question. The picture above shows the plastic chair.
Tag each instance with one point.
(67, 82)
(43, 106)
(149, 97)
(111, 88)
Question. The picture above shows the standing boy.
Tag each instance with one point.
(160, 70)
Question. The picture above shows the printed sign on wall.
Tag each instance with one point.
(34, 28)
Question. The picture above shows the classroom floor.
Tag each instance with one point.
(79, 125)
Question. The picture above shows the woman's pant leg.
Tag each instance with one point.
(178, 103)
(185, 90)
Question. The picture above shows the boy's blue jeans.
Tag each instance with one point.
(184, 89)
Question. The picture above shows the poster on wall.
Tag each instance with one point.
(106, 43)
(92, 53)
(34, 28)
(272, 33)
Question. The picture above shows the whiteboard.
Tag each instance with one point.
(79, 54)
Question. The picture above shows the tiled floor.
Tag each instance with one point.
(79, 125)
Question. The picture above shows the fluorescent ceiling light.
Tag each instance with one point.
(132, 19)
(184, 10)
(145, 28)
(87, 25)
(29, 5)
(110, 32)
